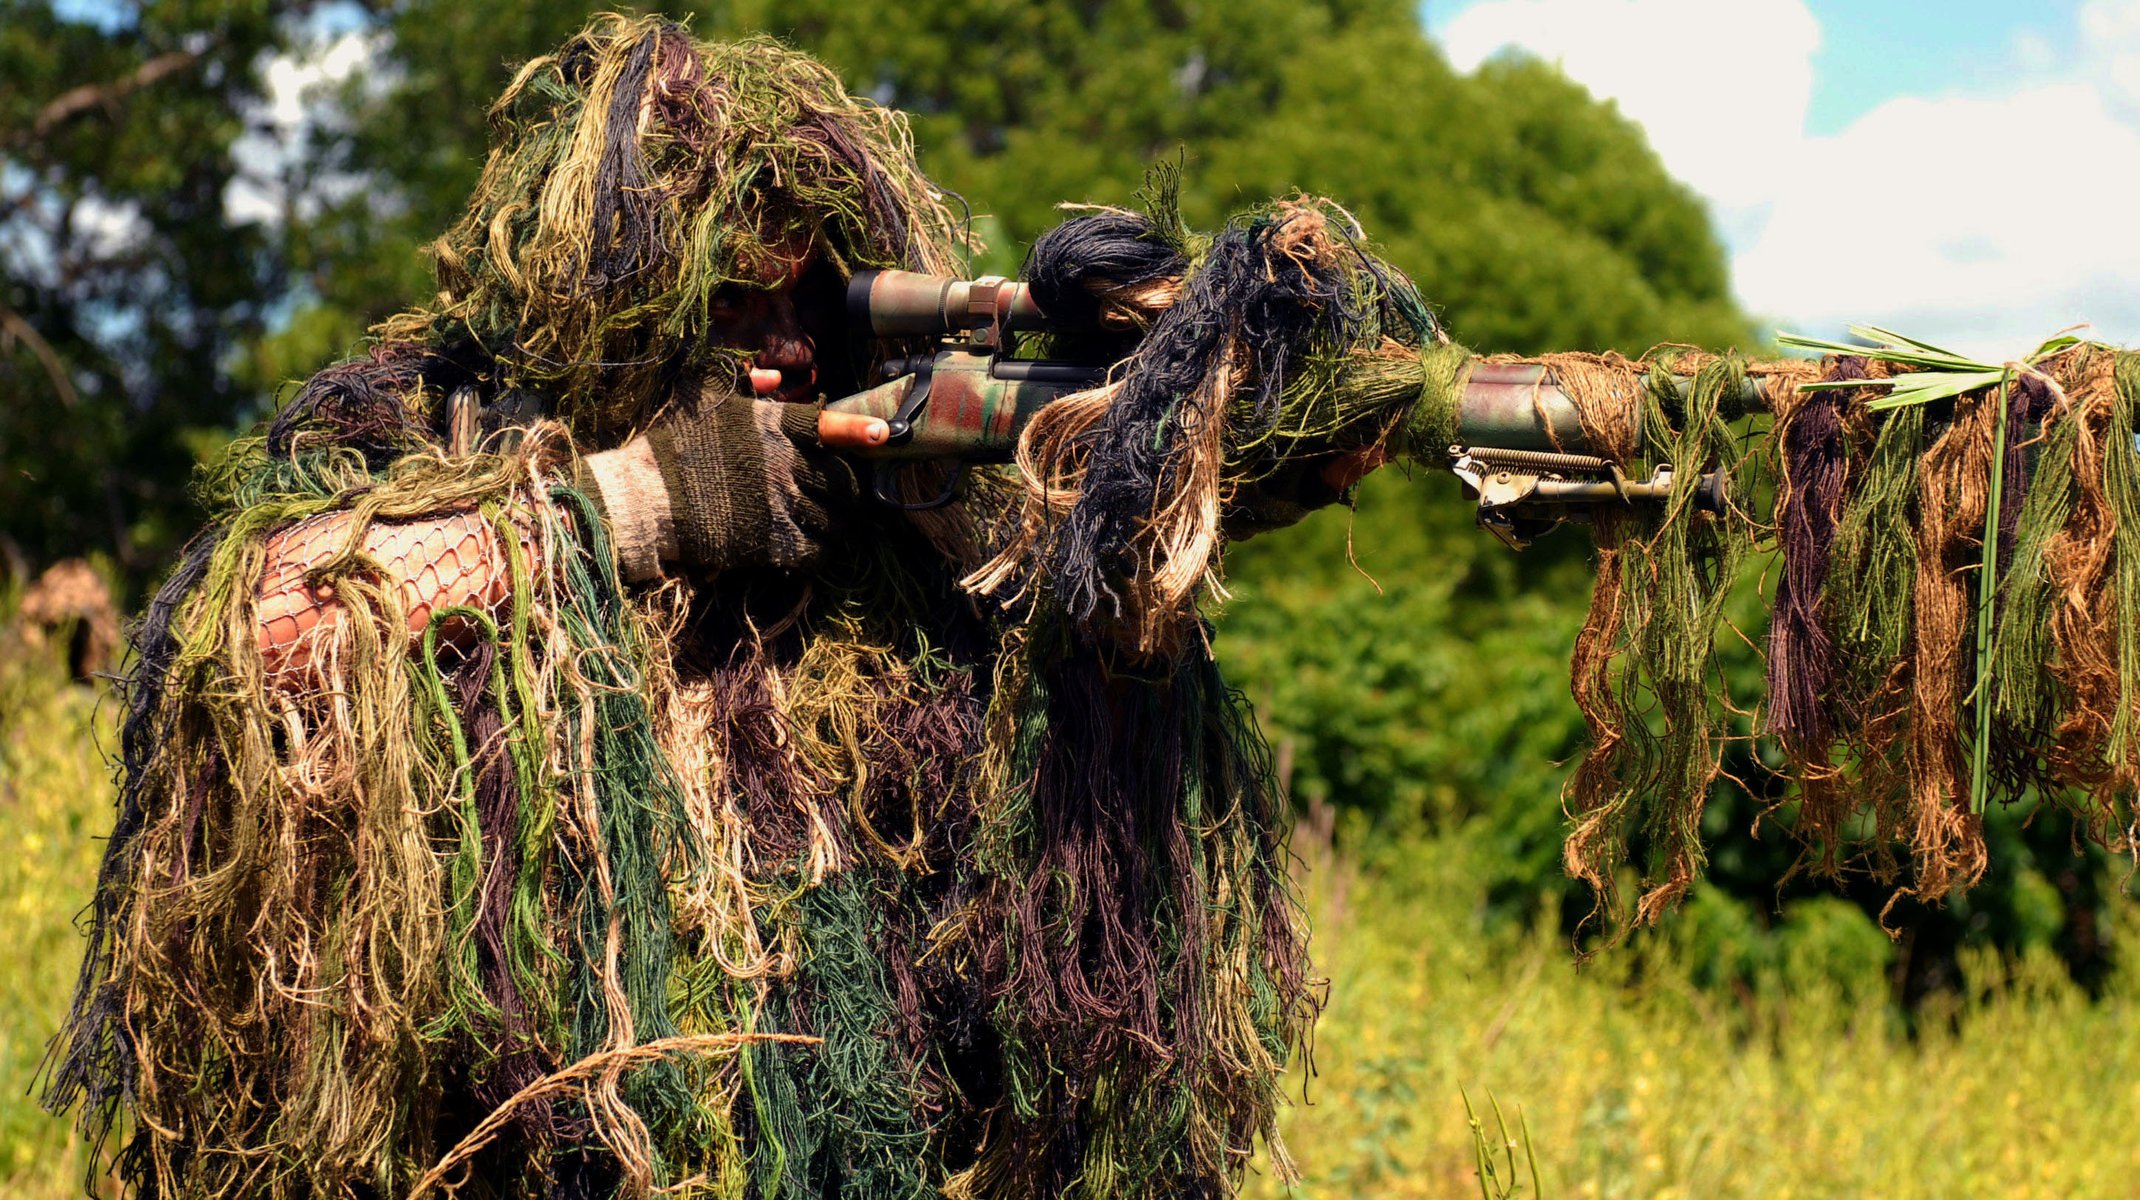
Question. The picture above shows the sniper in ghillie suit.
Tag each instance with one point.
(716, 703)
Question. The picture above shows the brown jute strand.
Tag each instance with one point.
(2079, 558)
(602, 1068)
(1952, 498)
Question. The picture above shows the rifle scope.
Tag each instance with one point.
(911, 304)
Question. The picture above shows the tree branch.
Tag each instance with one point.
(74, 102)
(13, 328)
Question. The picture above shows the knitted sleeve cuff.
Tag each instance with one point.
(627, 486)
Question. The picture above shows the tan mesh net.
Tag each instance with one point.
(448, 561)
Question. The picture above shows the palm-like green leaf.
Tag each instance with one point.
(1939, 375)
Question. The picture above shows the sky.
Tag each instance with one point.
(1965, 172)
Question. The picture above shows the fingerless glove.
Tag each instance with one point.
(721, 482)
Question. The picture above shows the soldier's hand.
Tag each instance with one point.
(720, 481)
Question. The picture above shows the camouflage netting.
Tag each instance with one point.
(488, 876)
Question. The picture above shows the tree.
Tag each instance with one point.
(127, 286)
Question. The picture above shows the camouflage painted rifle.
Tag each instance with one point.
(1520, 448)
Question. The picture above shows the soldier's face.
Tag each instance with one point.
(763, 318)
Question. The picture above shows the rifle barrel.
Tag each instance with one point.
(1519, 406)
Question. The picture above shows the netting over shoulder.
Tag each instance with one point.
(452, 560)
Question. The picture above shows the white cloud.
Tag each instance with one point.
(2110, 35)
(1705, 79)
(1987, 219)
(1986, 222)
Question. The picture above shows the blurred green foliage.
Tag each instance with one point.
(55, 800)
(124, 286)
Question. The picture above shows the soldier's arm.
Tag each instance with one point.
(728, 481)
(446, 561)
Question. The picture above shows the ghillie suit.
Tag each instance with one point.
(68, 602)
(802, 872)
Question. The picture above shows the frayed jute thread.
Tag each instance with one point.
(597, 1070)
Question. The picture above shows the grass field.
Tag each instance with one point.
(1636, 1083)
(1633, 1081)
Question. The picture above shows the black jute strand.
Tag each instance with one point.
(627, 205)
(2028, 404)
(1249, 299)
(1073, 266)
(1801, 653)
(363, 404)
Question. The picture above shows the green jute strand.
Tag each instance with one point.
(1872, 584)
(471, 1006)
(863, 1114)
(1430, 428)
(245, 475)
(1646, 660)
(2024, 694)
(641, 818)
(778, 1106)
(534, 956)
(1987, 606)
(1677, 581)
(2121, 486)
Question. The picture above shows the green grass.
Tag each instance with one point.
(1633, 1080)
(55, 803)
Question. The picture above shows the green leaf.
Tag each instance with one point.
(1941, 374)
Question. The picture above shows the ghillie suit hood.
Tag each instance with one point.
(841, 878)
(634, 175)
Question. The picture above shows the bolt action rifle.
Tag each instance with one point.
(1520, 448)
